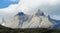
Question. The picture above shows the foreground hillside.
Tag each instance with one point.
(32, 30)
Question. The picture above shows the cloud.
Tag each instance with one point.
(9, 10)
(30, 6)
(47, 6)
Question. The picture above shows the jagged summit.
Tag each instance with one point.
(20, 14)
(39, 13)
(22, 18)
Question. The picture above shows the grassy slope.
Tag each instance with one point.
(32, 30)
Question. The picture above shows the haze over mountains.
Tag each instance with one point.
(37, 20)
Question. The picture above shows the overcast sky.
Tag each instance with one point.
(51, 7)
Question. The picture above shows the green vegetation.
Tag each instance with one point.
(31, 30)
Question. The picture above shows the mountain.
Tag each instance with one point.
(37, 20)
(56, 23)
(53, 20)
(22, 18)
(39, 13)
(16, 21)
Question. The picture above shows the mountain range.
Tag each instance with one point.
(37, 20)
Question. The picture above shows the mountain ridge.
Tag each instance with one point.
(37, 20)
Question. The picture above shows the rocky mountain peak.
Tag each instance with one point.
(20, 14)
(39, 13)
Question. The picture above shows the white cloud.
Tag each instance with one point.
(44, 5)
(27, 6)
(9, 10)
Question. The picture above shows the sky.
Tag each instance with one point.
(12, 7)
(6, 3)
